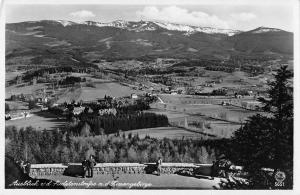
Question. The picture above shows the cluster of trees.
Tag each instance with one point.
(69, 80)
(150, 71)
(220, 92)
(267, 141)
(7, 108)
(29, 75)
(220, 68)
(226, 66)
(213, 65)
(253, 70)
(248, 59)
(140, 105)
(59, 147)
(122, 108)
(200, 63)
(89, 124)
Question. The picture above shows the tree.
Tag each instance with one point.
(85, 130)
(132, 155)
(7, 109)
(267, 141)
(31, 104)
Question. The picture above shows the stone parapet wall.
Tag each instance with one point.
(114, 168)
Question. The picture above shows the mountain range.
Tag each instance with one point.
(54, 41)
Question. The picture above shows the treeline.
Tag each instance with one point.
(149, 71)
(219, 92)
(71, 80)
(58, 147)
(247, 65)
(213, 65)
(41, 72)
(90, 124)
(122, 108)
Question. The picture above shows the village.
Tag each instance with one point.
(35, 93)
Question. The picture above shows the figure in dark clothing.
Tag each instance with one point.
(22, 165)
(158, 166)
(222, 167)
(27, 167)
(214, 169)
(90, 168)
(85, 165)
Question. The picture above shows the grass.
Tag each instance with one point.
(168, 132)
(39, 121)
(16, 106)
(180, 107)
(96, 91)
(16, 89)
(187, 105)
(102, 89)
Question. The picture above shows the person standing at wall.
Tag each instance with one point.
(85, 165)
(92, 163)
(27, 167)
(158, 166)
(214, 169)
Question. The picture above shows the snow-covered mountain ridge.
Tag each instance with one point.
(155, 25)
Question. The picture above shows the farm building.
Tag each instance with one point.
(108, 111)
(134, 96)
(251, 104)
(78, 110)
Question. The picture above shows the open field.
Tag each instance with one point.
(219, 128)
(14, 106)
(39, 121)
(165, 181)
(166, 132)
(19, 89)
(98, 91)
(102, 89)
(189, 105)
(10, 75)
(218, 120)
(235, 79)
(230, 113)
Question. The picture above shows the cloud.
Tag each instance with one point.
(82, 14)
(243, 16)
(182, 16)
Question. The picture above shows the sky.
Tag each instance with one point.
(229, 16)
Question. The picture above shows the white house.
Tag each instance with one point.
(134, 96)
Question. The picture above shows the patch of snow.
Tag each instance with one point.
(189, 33)
(192, 29)
(39, 36)
(66, 23)
(192, 49)
(107, 43)
(151, 26)
(166, 33)
(105, 39)
(175, 27)
(143, 42)
(74, 60)
(264, 29)
(34, 28)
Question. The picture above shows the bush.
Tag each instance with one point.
(7, 109)
(31, 104)
(91, 85)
